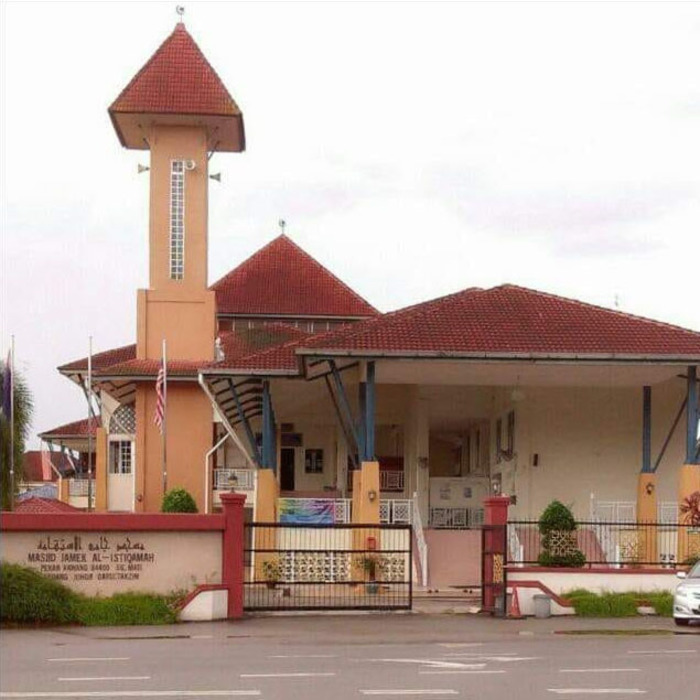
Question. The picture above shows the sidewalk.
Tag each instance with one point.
(386, 628)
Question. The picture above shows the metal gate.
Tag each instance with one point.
(328, 567)
(493, 569)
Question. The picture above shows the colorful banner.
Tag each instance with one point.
(306, 511)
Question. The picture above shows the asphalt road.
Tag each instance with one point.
(355, 657)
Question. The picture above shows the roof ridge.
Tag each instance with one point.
(586, 304)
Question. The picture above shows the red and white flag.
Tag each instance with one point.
(159, 417)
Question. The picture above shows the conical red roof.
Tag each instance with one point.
(177, 79)
(178, 82)
(283, 280)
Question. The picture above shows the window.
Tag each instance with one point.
(177, 219)
(313, 462)
(120, 457)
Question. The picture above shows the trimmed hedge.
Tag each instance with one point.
(28, 597)
(555, 521)
(589, 604)
(178, 501)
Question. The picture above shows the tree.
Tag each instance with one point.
(23, 408)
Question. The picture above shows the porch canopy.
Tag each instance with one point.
(513, 337)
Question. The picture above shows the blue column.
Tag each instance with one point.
(267, 439)
(646, 431)
(370, 403)
(692, 415)
(362, 422)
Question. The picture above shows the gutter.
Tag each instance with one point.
(499, 357)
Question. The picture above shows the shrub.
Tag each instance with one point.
(178, 501)
(662, 603)
(557, 527)
(29, 597)
(125, 609)
(589, 604)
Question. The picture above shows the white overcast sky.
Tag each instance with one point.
(415, 149)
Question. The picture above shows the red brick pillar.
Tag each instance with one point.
(232, 552)
(494, 543)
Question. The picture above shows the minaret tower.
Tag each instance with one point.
(177, 108)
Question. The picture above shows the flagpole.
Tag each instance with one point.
(12, 422)
(89, 400)
(164, 431)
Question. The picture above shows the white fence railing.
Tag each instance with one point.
(421, 544)
(456, 518)
(79, 487)
(391, 480)
(395, 511)
(626, 511)
(244, 479)
(342, 510)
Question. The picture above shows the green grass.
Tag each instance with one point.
(589, 604)
(27, 597)
(125, 609)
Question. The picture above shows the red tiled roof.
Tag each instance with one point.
(36, 465)
(78, 428)
(149, 368)
(44, 505)
(177, 79)
(244, 341)
(278, 358)
(102, 359)
(282, 279)
(511, 320)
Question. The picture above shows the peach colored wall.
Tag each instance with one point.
(189, 435)
(101, 466)
(454, 557)
(178, 143)
(173, 560)
(187, 321)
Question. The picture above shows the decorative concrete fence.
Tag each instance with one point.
(103, 554)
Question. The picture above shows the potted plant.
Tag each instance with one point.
(272, 572)
(372, 566)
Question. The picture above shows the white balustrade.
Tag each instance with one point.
(80, 487)
(421, 544)
(245, 479)
(395, 511)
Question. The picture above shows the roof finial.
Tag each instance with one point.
(180, 10)
(282, 224)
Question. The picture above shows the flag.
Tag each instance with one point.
(7, 388)
(160, 399)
